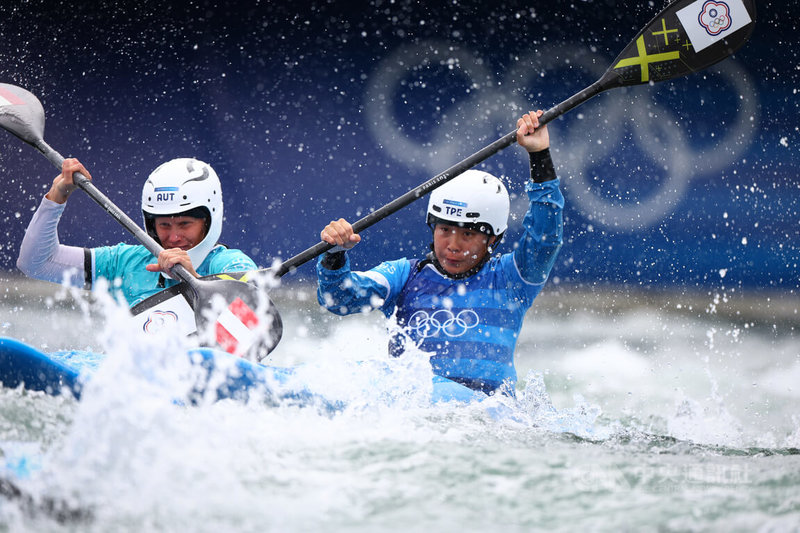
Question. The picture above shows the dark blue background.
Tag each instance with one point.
(312, 111)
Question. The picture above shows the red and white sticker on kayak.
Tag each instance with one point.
(235, 328)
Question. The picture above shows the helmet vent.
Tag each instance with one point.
(203, 172)
(436, 208)
(472, 215)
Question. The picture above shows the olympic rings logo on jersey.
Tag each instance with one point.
(648, 130)
(430, 325)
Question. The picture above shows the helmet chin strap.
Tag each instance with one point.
(497, 239)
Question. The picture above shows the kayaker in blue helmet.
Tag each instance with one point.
(460, 304)
(182, 211)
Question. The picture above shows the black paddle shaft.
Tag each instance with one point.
(606, 82)
(661, 51)
(103, 201)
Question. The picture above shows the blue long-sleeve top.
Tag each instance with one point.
(469, 326)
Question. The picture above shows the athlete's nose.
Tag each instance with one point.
(173, 236)
(453, 242)
(456, 242)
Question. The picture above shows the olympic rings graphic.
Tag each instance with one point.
(719, 22)
(158, 320)
(715, 17)
(648, 128)
(430, 325)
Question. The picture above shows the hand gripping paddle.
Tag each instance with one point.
(227, 313)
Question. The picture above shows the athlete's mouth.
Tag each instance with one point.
(184, 247)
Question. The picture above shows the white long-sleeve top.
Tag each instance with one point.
(43, 257)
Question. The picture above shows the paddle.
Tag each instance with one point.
(223, 311)
(685, 37)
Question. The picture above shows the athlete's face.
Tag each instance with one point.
(180, 232)
(459, 249)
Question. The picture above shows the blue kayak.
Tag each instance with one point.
(223, 376)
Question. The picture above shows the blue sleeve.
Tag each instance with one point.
(544, 230)
(344, 292)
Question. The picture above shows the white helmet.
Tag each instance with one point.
(475, 199)
(185, 187)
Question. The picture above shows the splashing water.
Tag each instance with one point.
(635, 420)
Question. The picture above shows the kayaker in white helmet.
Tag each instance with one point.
(182, 210)
(461, 304)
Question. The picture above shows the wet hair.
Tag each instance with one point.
(197, 212)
